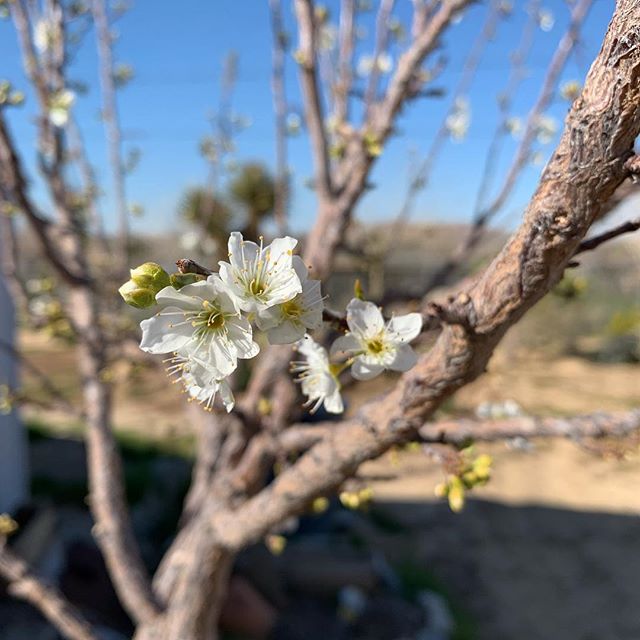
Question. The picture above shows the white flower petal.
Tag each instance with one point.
(300, 268)
(365, 371)
(281, 246)
(346, 346)
(241, 334)
(226, 395)
(222, 356)
(333, 402)
(364, 318)
(165, 332)
(172, 297)
(405, 328)
(286, 333)
(405, 358)
(269, 318)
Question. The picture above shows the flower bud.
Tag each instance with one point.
(150, 275)
(456, 494)
(7, 525)
(136, 296)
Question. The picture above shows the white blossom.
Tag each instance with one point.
(200, 321)
(375, 345)
(260, 277)
(45, 34)
(60, 105)
(316, 377)
(547, 127)
(287, 323)
(570, 90)
(513, 125)
(200, 382)
(458, 120)
(366, 63)
(546, 20)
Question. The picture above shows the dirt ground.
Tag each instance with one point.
(549, 549)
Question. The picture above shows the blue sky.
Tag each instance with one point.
(177, 50)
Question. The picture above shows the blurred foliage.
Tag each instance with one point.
(202, 208)
(253, 188)
(246, 205)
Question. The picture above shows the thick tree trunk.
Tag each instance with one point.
(196, 601)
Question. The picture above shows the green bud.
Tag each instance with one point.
(470, 478)
(372, 144)
(150, 275)
(456, 494)
(358, 291)
(179, 280)
(137, 296)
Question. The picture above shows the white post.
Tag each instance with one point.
(13, 442)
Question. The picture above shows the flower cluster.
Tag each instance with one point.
(205, 325)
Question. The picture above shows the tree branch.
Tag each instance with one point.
(25, 585)
(482, 217)
(345, 59)
(585, 170)
(12, 181)
(112, 123)
(314, 112)
(593, 243)
(280, 209)
(595, 425)
(382, 39)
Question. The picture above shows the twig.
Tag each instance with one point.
(47, 599)
(566, 202)
(61, 401)
(345, 60)
(593, 243)
(111, 121)
(9, 262)
(421, 175)
(186, 265)
(278, 90)
(516, 75)
(558, 62)
(382, 39)
(521, 157)
(314, 113)
(595, 425)
(12, 181)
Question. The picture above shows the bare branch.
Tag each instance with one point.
(314, 112)
(25, 585)
(9, 261)
(14, 184)
(61, 402)
(186, 265)
(593, 243)
(280, 111)
(111, 121)
(595, 425)
(344, 82)
(516, 75)
(558, 62)
(523, 152)
(583, 173)
(421, 175)
(382, 41)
